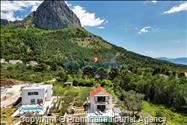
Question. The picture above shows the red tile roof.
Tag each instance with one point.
(98, 90)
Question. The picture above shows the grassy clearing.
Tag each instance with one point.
(173, 118)
(82, 92)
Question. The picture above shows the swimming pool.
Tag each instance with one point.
(31, 109)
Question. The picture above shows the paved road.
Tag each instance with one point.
(12, 95)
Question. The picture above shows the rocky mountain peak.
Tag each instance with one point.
(55, 14)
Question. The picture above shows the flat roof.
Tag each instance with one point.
(36, 86)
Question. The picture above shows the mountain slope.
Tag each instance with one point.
(70, 45)
(53, 14)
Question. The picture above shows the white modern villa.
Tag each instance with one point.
(35, 99)
(36, 94)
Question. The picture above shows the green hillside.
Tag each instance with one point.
(66, 56)
(71, 45)
(141, 86)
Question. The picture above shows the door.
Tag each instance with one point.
(101, 107)
(33, 101)
(40, 101)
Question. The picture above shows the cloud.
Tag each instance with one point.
(87, 18)
(144, 29)
(151, 1)
(175, 9)
(154, 1)
(35, 5)
(8, 8)
(9, 15)
(68, 4)
(101, 27)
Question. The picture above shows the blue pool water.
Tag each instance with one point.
(31, 109)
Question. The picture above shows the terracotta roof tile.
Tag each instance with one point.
(98, 90)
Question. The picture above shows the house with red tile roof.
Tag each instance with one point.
(100, 100)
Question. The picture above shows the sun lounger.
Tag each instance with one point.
(96, 113)
(101, 113)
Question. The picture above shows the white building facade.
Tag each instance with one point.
(36, 94)
(13, 62)
(100, 100)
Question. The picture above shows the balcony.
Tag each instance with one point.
(101, 100)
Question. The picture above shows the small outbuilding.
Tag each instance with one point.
(68, 83)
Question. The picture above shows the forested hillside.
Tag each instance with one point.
(66, 55)
(72, 45)
(51, 47)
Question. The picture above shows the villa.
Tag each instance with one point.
(185, 74)
(100, 105)
(100, 100)
(3, 61)
(36, 94)
(32, 63)
(13, 62)
(35, 99)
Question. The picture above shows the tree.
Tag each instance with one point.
(69, 78)
(133, 101)
(113, 73)
(107, 83)
(79, 73)
(62, 74)
(180, 75)
(117, 81)
(180, 99)
(54, 67)
(88, 71)
(102, 73)
(42, 67)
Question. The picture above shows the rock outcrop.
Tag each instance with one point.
(55, 14)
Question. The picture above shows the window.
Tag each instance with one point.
(101, 99)
(35, 93)
(32, 93)
(40, 101)
(101, 107)
(33, 101)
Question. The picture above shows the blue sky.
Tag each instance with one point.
(155, 28)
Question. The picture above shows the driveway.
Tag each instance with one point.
(12, 94)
